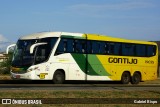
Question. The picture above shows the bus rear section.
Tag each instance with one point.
(114, 60)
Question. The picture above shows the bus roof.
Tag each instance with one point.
(82, 35)
(114, 39)
(49, 34)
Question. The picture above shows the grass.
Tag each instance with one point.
(151, 82)
(5, 77)
(33, 94)
(77, 94)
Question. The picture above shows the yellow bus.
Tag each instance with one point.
(61, 56)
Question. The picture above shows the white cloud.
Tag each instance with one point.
(119, 6)
(4, 42)
(3, 39)
(111, 10)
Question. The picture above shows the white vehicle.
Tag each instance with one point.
(61, 56)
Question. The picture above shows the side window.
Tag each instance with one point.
(95, 47)
(70, 45)
(141, 50)
(107, 48)
(102, 49)
(83, 42)
(117, 49)
(128, 49)
(111, 48)
(89, 47)
(41, 54)
(79, 46)
(151, 50)
(62, 47)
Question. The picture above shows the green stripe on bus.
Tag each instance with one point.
(94, 67)
(73, 37)
(81, 61)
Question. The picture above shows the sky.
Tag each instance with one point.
(129, 19)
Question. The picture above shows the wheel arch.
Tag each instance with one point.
(127, 72)
(60, 70)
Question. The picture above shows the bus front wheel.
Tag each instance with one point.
(58, 77)
(125, 79)
(136, 78)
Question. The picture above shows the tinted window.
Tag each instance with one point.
(141, 50)
(117, 49)
(71, 46)
(96, 47)
(41, 54)
(110, 48)
(62, 46)
(102, 47)
(79, 46)
(128, 49)
(89, 47)
(113, 48)
(43, 51)
(151, 50)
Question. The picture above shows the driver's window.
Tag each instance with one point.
(41, 54)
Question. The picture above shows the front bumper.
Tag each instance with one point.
(27, 76)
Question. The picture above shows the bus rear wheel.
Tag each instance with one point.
(58, 77)
(136, 78)
(125, 79)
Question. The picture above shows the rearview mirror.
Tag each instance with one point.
(34, 45)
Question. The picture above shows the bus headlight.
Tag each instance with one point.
(32, 69)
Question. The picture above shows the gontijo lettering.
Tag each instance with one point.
(122, 60)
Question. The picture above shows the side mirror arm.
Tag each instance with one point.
(34, 45)
(7, 50)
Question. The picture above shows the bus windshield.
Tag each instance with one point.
(22, 56)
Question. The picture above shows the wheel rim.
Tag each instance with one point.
(136, 78)
(125, 78)
(58, 77)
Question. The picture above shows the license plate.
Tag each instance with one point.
(16, 76)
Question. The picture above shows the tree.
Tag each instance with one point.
(159, 59)
(6, 65)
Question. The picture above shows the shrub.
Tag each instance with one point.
(159, 60)
(5, 65)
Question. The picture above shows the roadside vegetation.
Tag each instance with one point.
(159, 58)
(5, 65)
(80, 94)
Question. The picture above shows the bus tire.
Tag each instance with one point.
(136, 78)
(125, 79)
(59, 77)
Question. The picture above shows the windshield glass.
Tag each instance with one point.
(22, 56)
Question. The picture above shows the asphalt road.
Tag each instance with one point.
(74, 85)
